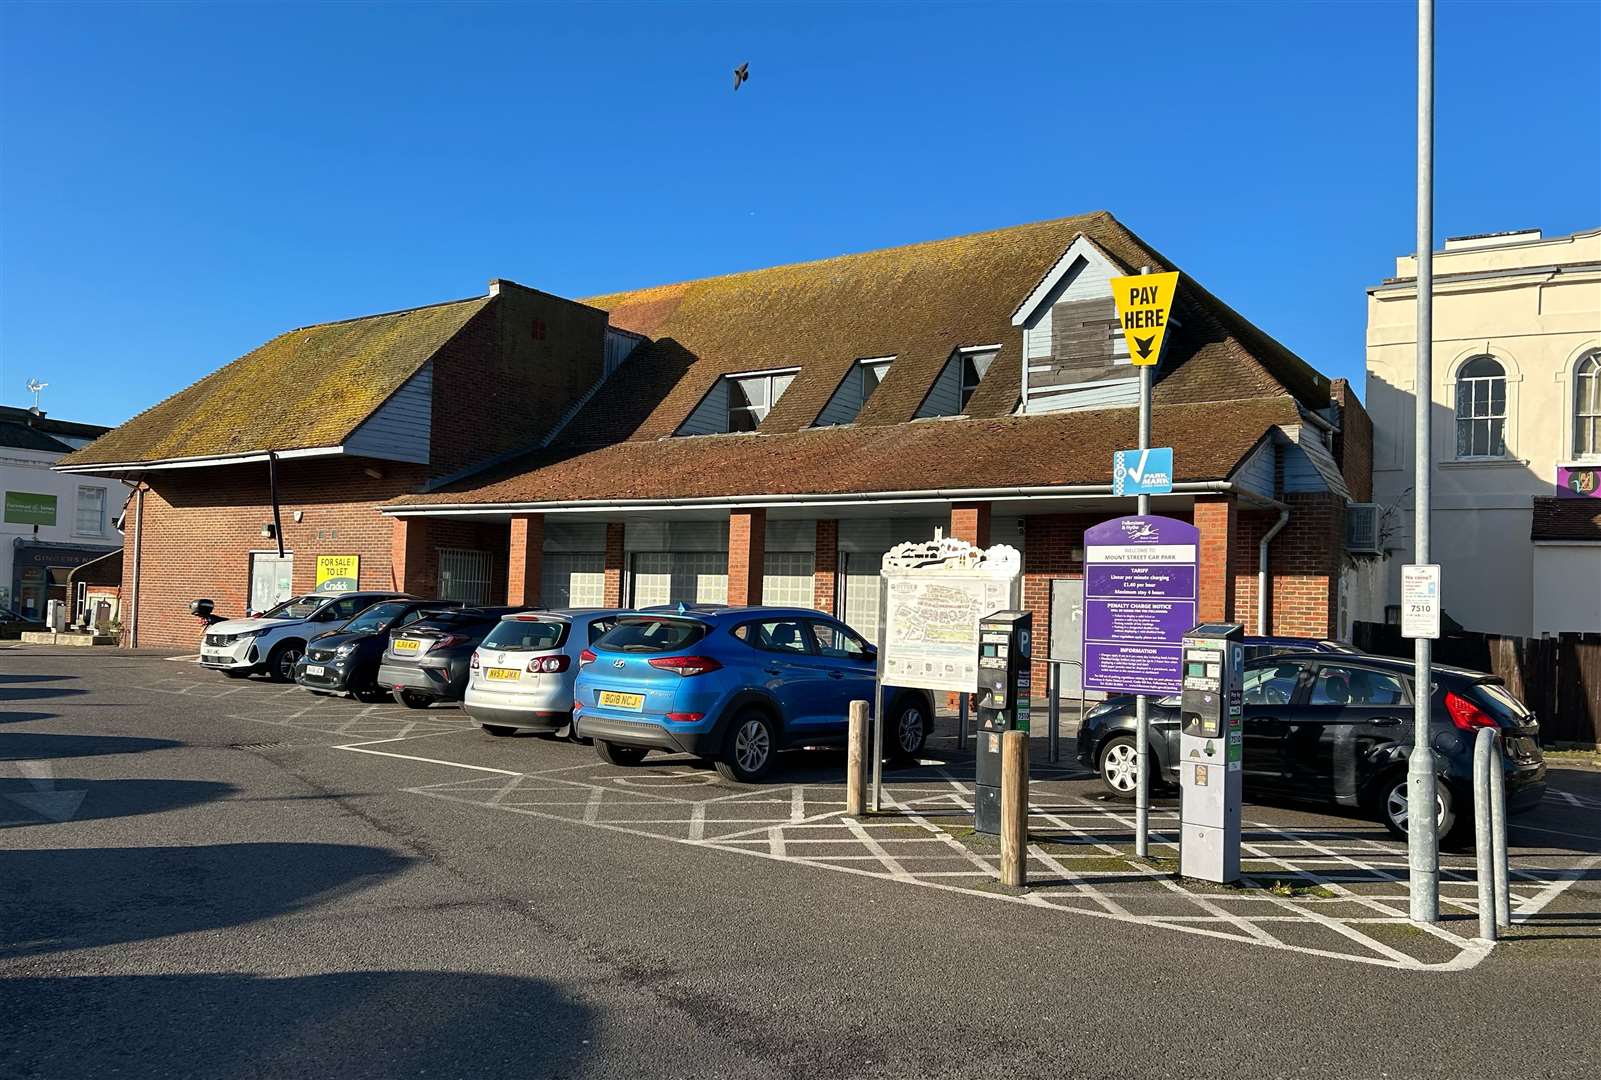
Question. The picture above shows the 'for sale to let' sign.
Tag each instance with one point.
(1139, 602)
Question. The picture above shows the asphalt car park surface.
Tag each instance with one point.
(212, 877)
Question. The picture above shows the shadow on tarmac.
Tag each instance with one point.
(349, 1025)
(76, 898)
(26, 801)
(33, 745)
(10, 717)
(7, 680)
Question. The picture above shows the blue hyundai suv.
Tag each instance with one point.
(733, 684)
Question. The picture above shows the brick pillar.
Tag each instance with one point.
(1217, 520)
(747, 550)
(524, 559)
(825, 566)
(614, 565)
(971, 522)
(409, 550)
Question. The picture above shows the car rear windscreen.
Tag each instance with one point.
(1500, 703)
(652, 635)
(528, 634)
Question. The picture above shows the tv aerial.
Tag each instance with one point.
(35, 387)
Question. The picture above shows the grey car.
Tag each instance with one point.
(522, 675)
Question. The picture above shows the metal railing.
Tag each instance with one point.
(1489, 834)
(1053, 707)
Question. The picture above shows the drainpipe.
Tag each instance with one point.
(272, 482)
(138, 529)
(1261, 569)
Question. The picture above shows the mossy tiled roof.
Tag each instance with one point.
(916, 303)
(1209, 440)
(310, 387)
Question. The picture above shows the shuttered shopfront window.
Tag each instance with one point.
(573, 580)
(464, 575)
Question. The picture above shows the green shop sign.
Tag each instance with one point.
(26, 508)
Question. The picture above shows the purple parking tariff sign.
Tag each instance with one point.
(1139, 602)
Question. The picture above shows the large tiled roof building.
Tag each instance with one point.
(761, 435)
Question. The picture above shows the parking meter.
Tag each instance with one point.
(1005, 641)
(1211, 751)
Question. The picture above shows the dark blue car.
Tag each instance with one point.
(733, 684)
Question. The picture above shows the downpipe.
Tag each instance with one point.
(1262, 576)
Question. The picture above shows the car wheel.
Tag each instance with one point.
(413, 700)
(752, 745)
(498, 731)
(282, 660)
(1120, 766)
(911, 728)
(616, 754)
(1393, 799)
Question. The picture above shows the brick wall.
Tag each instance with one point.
(1049, 545)
(199, 527)
(825, 566)
(971, 522)
(615, 560)
(505, 380)
(747, 548)
(1216, 517)
(525, 559)
(1353, 446)
(1304, 562)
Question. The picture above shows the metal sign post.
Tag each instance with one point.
(1422, 838)
(1144, 303)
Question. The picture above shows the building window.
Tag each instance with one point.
(871, 373)
(1587, 406)
(91, 520)
(751, 397)
(975, 364)
(1481, 409)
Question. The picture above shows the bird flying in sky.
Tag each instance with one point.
(741, 73)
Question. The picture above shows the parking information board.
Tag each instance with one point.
(1420, 600)
(935, 593)
(1139, 601)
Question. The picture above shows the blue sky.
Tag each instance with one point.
(178, 183)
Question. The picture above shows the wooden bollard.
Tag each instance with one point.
(856, 762)
(1014, 808)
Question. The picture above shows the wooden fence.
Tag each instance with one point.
(1558, 677)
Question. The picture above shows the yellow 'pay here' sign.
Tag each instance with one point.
(1143, 303)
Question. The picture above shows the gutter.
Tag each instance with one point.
(726, 502)
(247, 458)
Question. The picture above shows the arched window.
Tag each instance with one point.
(1481, 409)
(1587, 406)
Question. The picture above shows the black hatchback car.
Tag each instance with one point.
(431, 659)
(345, 660)
(1337, 727)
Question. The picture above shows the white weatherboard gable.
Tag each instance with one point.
(1084, 272)
(401, 428)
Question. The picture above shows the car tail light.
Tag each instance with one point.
(684, 717)
(1466, 715)
(475, 661)
(577, 708)
(548, 664)
(586, 657)
(686, 665)
(447, 641)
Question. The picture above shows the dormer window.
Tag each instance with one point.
(738, 402)
(957, 380)
(854, 390)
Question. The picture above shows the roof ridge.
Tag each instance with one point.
(1105, 215)
(382, 314)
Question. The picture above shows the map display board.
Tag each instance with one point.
(1139, 601)
(935, 593)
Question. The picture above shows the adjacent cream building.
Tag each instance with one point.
(1517, 401)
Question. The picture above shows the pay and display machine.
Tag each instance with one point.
(1004, 644)
(1211, 751)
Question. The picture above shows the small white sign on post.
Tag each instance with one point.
(1420, 600)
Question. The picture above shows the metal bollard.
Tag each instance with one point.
(1014, 808)
(1053, 709)
(856, 762)
(1484, 754)
(1503, 894)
